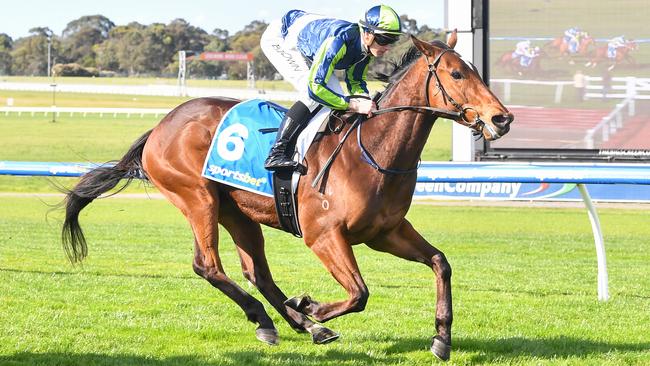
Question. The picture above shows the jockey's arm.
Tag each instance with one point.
(355, 77)
(329, 53)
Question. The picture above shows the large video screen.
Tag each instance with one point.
(576, 75)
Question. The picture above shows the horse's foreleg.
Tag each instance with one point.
(405, 242)
(337, 256)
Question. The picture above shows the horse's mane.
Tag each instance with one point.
(399, 68)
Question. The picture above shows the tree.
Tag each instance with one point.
(6, 45)
(409, 26)
(185, 36)
(248, 40)
(80, 37)
(158, 48)
(218, 41)
(30, 53)
(123, 51)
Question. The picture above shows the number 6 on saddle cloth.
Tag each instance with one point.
(241, 144)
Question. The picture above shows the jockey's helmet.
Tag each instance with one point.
(384, 23)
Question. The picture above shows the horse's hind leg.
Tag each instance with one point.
(174, 166)
(207, 264)
(250, 246)
(405, 242)
(201, 206)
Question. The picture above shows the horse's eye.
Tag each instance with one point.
(456, 75)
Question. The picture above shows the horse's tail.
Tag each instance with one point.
(92, 185)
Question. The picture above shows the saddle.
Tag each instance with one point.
(241, 143)
(285, 182)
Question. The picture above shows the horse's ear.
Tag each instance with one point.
(453, 38)
(422, 46)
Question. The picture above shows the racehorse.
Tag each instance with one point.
(355, 203)
(623, 53)
(562, 47)
(513, 64)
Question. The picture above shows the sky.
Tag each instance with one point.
(16, 20)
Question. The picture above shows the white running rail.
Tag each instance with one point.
(609, 124)
(85, 111)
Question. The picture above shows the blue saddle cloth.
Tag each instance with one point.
(238, 150)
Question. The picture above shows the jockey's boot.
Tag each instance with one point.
(294, 121)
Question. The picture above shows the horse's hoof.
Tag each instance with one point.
(440, 349)
(268, 336)
(297, 303)
(322, 335)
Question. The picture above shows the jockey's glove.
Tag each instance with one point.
(362, 106)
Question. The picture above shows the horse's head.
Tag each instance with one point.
(453, 83)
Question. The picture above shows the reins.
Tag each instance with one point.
(457, 114)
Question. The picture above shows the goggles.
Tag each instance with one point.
(385, 39)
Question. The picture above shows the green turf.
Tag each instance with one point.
(524, 287)
(70, 139)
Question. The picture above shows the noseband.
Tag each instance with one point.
(433, 66)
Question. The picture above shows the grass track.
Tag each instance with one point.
(524, 292)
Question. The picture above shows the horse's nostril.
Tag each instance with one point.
(502, 120)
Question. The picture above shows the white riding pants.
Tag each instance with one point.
(283, 53)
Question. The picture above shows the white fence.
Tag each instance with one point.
(629, 87)
(85, 111)
(153, 89)
(622, 88)
(609, 124)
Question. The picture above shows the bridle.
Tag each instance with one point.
(477, 125)
(459, 114)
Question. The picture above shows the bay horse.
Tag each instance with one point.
(623, 53)
(513, 64)
(363, 204)
(562, 47)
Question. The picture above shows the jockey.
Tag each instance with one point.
(521, 49)
(571, 37)
(306, 49)
(527, 58)
(613, 44)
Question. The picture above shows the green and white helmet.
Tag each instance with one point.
(382, 20)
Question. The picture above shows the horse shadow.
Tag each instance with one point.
(328, 358)
(97, 359)
(486, 351)
(480, 351)
(248, 357)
